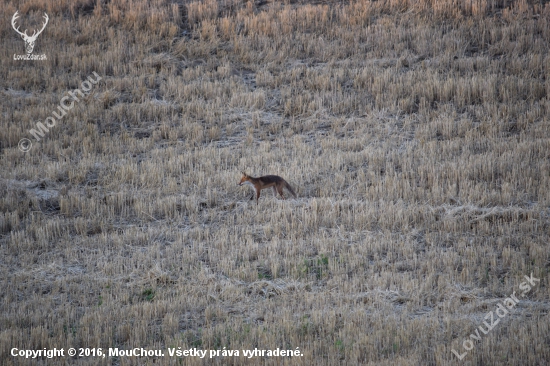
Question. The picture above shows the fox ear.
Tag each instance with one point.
(244, 173)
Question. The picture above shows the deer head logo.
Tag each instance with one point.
(29, 40)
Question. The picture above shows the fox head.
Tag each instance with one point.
(244, 179)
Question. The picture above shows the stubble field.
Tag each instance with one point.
(416, 134)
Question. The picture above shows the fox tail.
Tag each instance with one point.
(287, 186)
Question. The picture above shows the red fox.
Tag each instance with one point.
(274, 181)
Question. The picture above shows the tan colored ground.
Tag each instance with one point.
(416, 134)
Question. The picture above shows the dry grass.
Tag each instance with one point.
(416, 134)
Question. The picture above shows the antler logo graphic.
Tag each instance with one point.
(29, 40)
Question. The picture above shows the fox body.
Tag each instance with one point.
(273, 181)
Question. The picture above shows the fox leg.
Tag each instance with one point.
(280, 189)
(257, 195)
